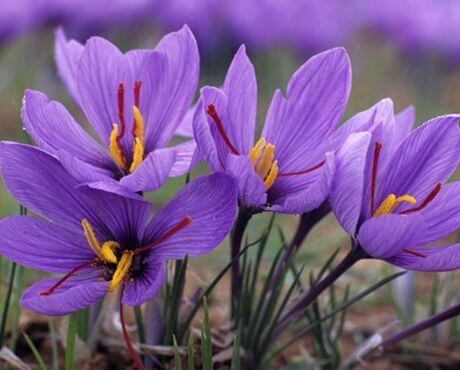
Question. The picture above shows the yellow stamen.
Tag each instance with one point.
(266, 161)
(139, 129)
(271, 176)
(138, 155)
(138, 152)
(256, 150)
(121, 271)
(115, 149)
(107, 251)
(391, 202)
(91, 238)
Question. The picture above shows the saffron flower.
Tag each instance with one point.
(390, 192)
(135, 102)
(288, 169)
(101, 240)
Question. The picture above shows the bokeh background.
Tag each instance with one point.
(407, 50)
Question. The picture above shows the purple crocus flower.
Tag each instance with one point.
(134, 102)
(288, 169)
(100, 239)
(390, 192)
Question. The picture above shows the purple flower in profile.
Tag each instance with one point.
(390, 192)
(101, 240)
(288, 169)
(135, 102)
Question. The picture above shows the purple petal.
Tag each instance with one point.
(146, 286)
(41, 245)
(97, 77)
(39, 182)
(443, 258)
(404, 123)
(52, 127)
(179, 79)
(152, 172)
(216, 97)
(317, 95)
(386, 236)
(429, 155)
(66, 54)
(240, 87)
(186, 158)
(76, 293)
(366, 120)
(302, 193)
(185, 128)
(210, 201)
(347, 187)
(251, 189)
(205, 141)
(442, 216)
(82, 171)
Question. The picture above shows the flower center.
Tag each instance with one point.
(119, 130)
(262, 154)
(118, 265)
(391, 202)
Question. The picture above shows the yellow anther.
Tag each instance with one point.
(138, 155)
(271, 176)
(138, 131)
(122, 270)
(391, 202)
(265, 163)
(107, 251)
(256, 150)
(91, 238)
(139, 128)
(115, 149)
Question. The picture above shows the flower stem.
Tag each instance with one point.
(236, 239)
(311, 295)
(429, 322)
(6, 305)
(306, 223)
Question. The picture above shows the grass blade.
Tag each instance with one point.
(191, 353)
(70, 344)
(37, 355)
(206, 345)
(177, 359)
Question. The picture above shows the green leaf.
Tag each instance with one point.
(210, 288)
(70, 345)
(206, 345)
(6, 305)
(37, 355)
(177, 359)
(54, 344)
(139, 323)
(191, 352)
(235, 365)
(332, 313)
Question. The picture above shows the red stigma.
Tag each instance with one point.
(426, 201)
(414, 253)
(311, 169)
(67, 276)
(377, 148)
(121, 109)
(137, 102)
(131, 350)
(213, 114)
(186, 221)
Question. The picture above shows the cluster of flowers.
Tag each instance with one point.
(417, 26)
(384, 181)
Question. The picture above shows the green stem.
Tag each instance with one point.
(6, 306)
